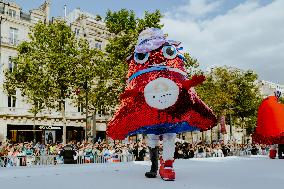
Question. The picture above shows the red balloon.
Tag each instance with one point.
(270, 122)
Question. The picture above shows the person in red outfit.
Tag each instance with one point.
(159, 99)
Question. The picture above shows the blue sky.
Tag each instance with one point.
(101, 6)
(247, 34)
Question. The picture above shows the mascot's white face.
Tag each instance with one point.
(161, 93)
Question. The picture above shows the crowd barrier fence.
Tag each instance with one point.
(220, 154)
(31, 160)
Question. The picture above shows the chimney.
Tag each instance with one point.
(46, 9)
(65, 12)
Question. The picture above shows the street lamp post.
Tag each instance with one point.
(231, 133)
(94, 127)
(231, 122)
(86, 108)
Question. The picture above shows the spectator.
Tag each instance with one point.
(68, 153)
(139, 152)
(116, 149)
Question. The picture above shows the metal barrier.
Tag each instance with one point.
(240, 153)
(104, 159)
(13, 161)
(220, 154)
(90, 159)
(30, 160)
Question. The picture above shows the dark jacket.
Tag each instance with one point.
(139, 154)
(68, 153)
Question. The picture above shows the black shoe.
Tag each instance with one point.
(150, 174)
(154, 160)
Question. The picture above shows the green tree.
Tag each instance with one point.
(30, 86)
(191, 65)
(98, 17)
(247, 99)
(125, 27)
(218, 90)
(89, 76)
(50, 67)
(232, 91)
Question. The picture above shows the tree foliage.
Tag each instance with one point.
(232, 91)
(51, 66)
(218, 90)
(191, 64)
(125, 27)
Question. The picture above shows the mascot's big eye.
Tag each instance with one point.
(169, 52)
(141, 58)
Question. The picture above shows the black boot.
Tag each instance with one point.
(154, 160)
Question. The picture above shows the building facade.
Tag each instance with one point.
(16, 122)
(268, 88)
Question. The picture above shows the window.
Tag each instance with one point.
(13, 36)
(12, 101)
(59, 105)
(98, 45)
(10, 64)
(12, 13)
(80, 108)
(102, 111)
(25, 16)
(2, 9)
(77, 31)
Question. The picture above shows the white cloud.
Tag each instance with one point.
(248, 36)
(200, 7)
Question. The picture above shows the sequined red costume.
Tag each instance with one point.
(159, 100)
(136, 116)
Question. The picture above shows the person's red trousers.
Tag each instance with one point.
(272, 154)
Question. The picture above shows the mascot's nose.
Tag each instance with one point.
(161, 93)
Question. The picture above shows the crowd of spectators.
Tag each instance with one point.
(82, 152)
(186, 150)
(138, 149)
(81, 148)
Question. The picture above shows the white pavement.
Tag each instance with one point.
(212, 173)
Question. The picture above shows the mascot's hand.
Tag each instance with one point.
(129, 93)
(194, 81)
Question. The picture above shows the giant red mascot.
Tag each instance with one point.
(159, 100)
(270, 122)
